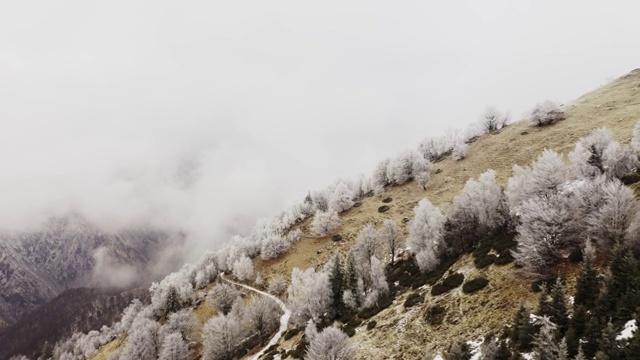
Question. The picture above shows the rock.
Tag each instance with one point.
(336, 237)
(387, 200)
(405, 220)
(438, 171)
(524, 133)
(319, 251)
(383, 208)
(357, 204)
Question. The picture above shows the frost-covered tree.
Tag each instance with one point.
(320, 201)
(277, 285)
(341, 198)
(379, 285)
(542, 233)
(544, 177)
(391, 237)
(379, 178)
(479, 209)
(222, 297)
(492, 119)
(610, 222)
(325, 223)
(221, 336)
(273, 246)
(183, 322)
(263, 316)
(421, 171)
(174, 348)
(309, 294)
(426, 231)
(367, 245)
(142, 343)
(459, 150)
(243, 268)
(545, 113)
(401, 167)
(330, 344)
(294, 236)
(599, 153)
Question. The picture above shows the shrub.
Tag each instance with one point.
(435, 315)
(484, 261)
(291, 333)
(449, 283)
(545, 113)
(413, 299)
(474, 285)
(504, 258)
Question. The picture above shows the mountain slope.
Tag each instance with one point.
(403, 332)
(37, 265)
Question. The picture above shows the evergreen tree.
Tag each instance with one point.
(173, 301)
(587, 286)
(580, 355)
(626, 304)
(523, 330)
(558, 309)
(458, 351)
(545, 346)
(336, 277)
(607, 342)
(591, 337)
(503, 352)
(573, 342)
(544, 305)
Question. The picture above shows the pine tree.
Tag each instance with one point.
(544, 306)
(523, 330)
(558, 309)
(351, 280)
(545, 346)
(591, 337)
(503, 352)
(587, 286)
(607, 342)
(336, 277)
(626, 304)
(580, 355)
(573, 342)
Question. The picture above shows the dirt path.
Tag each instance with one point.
(284, 319)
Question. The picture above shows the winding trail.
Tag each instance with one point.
(284, 319)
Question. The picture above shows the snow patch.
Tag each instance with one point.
(627, 332)
(475, 349)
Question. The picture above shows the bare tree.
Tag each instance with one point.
(391, 236)
(367, 245)
(273, 246)
(492, 119)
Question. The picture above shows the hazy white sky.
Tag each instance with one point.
(206, 115)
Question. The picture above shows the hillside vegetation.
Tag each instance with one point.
(461, 294)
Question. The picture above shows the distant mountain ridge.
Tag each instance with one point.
(37, 265)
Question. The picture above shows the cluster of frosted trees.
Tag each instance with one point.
(237, 325)
(482, 207)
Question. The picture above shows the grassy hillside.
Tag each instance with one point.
(402, 332)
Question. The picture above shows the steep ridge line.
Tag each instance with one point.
(284, 319)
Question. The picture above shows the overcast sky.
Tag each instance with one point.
(207, 115)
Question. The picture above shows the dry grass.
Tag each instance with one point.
(615, 106)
